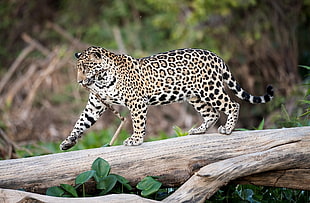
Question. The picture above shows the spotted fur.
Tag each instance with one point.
(194, 75)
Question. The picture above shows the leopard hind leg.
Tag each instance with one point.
(232, 113)
(222, 102)
(209, 114)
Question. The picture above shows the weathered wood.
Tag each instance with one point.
(10, 196)
(292, 178)
(213, 176)
(175, 160)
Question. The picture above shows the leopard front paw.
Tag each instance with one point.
(195, 131)
(133, 141)
(224, 130)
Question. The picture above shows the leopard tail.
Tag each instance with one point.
(241, 93)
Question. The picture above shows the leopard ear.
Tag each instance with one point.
(77, 55)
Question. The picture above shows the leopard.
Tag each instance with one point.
(197, 76)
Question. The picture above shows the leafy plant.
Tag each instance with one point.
(105, 182)
(301, 112)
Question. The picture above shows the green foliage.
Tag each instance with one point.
(259, 194)
(105, 182)
(260, 127)
(148, 186)
(102, 169)
(287, 120)
(84, 177)
(301, 112)
(306, 101)
(55, 191)
(123, 181)
(69, 189)
(179, 132)
(90, 140)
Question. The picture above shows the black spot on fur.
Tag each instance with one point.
(172, 54)
(267, 98)
(90, 119)
(270, 90)
(225, 76)
(112, 82)
(162, 97)
(238, 87)
(257, 100)
(245, 96)
(172, 98)
(201, 107)
(152, 99)
(98, 55)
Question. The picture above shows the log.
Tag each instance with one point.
(213, 176)
(291, 178)
(9, 196)
(209, 161)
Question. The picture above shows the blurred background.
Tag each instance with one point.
(264, 42)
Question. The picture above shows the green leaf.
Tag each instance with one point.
(84, 177)
(241, 129)
(148, 186)
(305, 101)
(70, 189)
(120, 179)
(305, 114)
(107, 184)
(179, 132)
(261, 125)
(306, 67)
(102, 168)
(123, 181)
(55, 191)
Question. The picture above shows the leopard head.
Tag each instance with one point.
(92, 62)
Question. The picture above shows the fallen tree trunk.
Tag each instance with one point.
(208, 161)
(10, 196)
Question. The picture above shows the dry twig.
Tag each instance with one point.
(75, 42)
(35, 44)
(15, 66)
